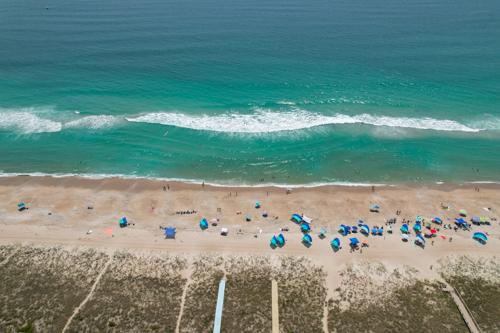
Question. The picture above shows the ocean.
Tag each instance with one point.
(252, 92)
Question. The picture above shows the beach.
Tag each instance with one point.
(83, 214)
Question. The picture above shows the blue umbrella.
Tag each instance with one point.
(417, 227)
(380, 231)
(420, 239)
(307, 239)
(480, 236)
(335, 243)
(365, 229)
(374, 231)
(404, 228)
(203, 224)
(296, 218)
(437, 220)
(354, 229)
(343, 230)
(353, 241)
(460, 221)
(304, 227)
(374, 208)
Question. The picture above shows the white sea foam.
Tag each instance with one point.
(264, 121)
(93, 122)
(27, 121)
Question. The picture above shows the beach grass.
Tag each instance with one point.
(136, 293)
(372, 298)
(201, 295)
(477, 280)
(247, 302)
(302, 295)
(40, 287)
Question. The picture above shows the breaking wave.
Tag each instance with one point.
(26, 121)
(264, 121)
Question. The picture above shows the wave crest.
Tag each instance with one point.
(263, 121)
(26, 121)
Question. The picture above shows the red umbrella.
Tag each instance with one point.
(433, 231)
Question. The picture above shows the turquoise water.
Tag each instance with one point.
(260, 91)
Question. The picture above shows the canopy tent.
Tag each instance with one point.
(170, 232)
(257, 204)
(354, 229)
(123, 222)
(419, 239)
(281, 240)
(374, 231)
(353, 242)
(480, 237)
(344, 230)
(484, 220)
(462, 212)
(437, 220)
(296, 218)
(404, 228)
(365, 229)
(307, 239)
(305, 227)
(375, 208)
(476, 220)
(274, 242)
(203, 224)
(460, 222)
(306, 219)
(335, 243)
(21, 206)
(380, 231)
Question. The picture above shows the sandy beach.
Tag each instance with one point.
(84, 213)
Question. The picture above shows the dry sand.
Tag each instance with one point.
(59, 214)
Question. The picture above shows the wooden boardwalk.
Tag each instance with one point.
(275, 310)
(220, 306)
(464, 311)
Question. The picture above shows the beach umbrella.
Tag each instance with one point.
(462, 212)
(380, 231)
(257, 204)
(404, 228)
(322, 233)
(307, 239)
(170, 232)
(460, 222)
(437, 220)
(281, 240)
(123, 222)
(274, 242)
(343, 230)
(21, 206)
(480, 236)
(419, 219)
(296, 218)
(375, 208)
(405, 237)
(417, 227)
(374, 231)
(354, 229)
(353, 242)
(476, 220)
(433, 231)
(419, 239)
(365, 229)
(335, 243)
(248, 218)
(305, 227)
(203, 224)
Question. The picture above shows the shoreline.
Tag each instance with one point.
(186, 183)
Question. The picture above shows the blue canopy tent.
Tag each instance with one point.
(344, 230)
(380, 231)
(307, 240)
(365, 229)
(21, 206)
(280, 240)
(417, 227)
(461, 222)
(375, 208)
(419, 240)
(274, 242)
(296, 218)
(476, 220)
(203, 224)
(335, 243)
(354, 229)
(374, 231)
(123, 222)
(404, 229)
(353, 242)
(437, 220)
(170, 232)
(480, 237)
(305, 227)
